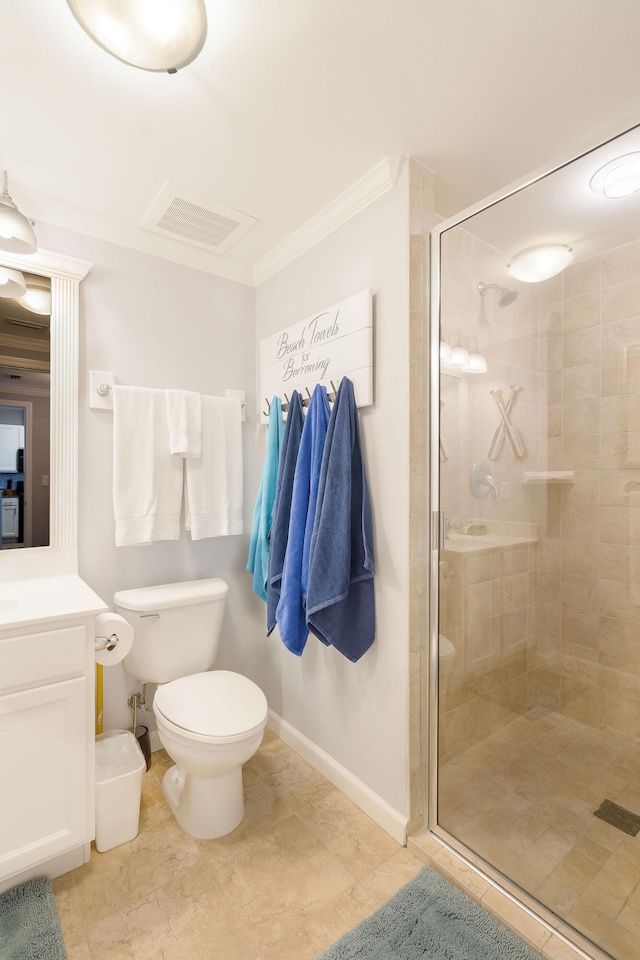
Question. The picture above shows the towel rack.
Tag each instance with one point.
(331, 394)
(101, 392)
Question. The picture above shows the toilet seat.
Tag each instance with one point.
(216, 706)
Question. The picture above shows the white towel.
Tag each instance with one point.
(184, 420)
(213, 497)
(147, 480)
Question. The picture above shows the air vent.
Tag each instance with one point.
(190, 218)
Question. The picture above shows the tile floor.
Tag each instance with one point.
(305, 866)
(523, 799)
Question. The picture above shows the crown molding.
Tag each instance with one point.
(24, 343)
(17, 391)
(47, 264)
(365, 191)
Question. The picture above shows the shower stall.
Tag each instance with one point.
(535, 573)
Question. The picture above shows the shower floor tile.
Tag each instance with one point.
(524, 801)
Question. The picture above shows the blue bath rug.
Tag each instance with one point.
(29, 925)
(429, 919)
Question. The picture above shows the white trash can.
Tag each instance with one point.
(120, 767)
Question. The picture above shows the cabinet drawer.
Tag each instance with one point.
(46, 657)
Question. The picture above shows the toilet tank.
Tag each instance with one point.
(176, 627)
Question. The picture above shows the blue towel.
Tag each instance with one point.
(340, 598)
(258, 563)
(291, 612)
(282, 504)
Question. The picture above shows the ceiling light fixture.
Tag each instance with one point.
(36, 299)
(540, 262)
(619, 177)
(157, 35)
(12, 283)
(16, 231)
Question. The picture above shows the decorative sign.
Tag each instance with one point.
(325, 347)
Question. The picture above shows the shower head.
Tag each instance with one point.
(506, 296)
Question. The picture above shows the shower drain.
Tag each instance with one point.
(618, 817)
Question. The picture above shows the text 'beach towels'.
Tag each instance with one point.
(282, 505)
(340, 596)
(291, 612)
(258, 563)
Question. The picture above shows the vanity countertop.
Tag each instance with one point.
(31, 601)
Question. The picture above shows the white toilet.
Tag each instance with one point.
(209, 722)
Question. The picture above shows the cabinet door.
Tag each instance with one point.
(45, 775)
(10, 517)
(9, 443)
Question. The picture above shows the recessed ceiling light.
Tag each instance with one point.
(540, 262)
(619, 177)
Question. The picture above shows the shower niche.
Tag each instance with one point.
(536, 588)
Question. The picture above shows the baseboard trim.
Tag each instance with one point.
(154, 739)
(374, 806)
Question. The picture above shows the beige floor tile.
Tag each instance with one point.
(275, 878)
(620, 943)
(556, 896)
(603, 899)
(391, 875)
(348, 833)
(159, 853)
(629, 918)
(557, 949)
(184, 919)
(292, 778)
(324, 926)
(151, 791)
(589, 919)
(69, 907)
(461, 875)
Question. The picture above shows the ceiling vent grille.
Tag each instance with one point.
(190, 218)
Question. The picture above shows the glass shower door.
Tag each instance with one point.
(538, 580)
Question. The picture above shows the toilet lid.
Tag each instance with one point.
(217, 703)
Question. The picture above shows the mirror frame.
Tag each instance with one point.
(60, 557)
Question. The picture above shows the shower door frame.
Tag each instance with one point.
(436, 527)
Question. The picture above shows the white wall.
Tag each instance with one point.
(357, 712)
(157, 324)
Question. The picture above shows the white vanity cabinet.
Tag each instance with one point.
(47, 723)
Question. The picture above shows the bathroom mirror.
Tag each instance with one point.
(25, 415)
(64, 274)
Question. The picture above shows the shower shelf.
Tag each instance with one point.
(547, 476)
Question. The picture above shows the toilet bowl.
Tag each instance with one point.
(210, 722)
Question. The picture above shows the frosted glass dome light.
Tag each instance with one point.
(157, 35)
(619, 177)
(36, 299)
(12, 283)
(540, 262)
(16, 230)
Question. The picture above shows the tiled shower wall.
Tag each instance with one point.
(487, 595)
(572, 344)
(588, 653)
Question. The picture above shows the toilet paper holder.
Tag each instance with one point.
(106, 643)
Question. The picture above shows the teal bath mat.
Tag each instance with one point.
(29, 925)
(429, 919)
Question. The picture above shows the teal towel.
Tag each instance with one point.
(258, 562)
